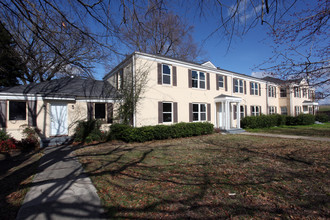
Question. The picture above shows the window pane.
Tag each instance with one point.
(166, 79)
(17, 110)
(221, 84)
(203, 108)
(195, 83)
(236, 88)
(167, 117)
(166, 69)
(194, 75)
(241, 89)
(195, 107)
(167, 107)
(195, 116)
(203, 116)
(202, 84)
(220, 81)
(99, 110)
(235, 82)
(241, 83)
(201, 76)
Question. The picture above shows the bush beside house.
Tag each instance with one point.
(89, 131)
(30, 142)
(266, 121)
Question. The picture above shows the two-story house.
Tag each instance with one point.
(173, 91)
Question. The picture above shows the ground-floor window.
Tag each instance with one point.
(255, 110)
(305, 108)
(297, 110)
(99, 110)
(167, 112)
(242, 111)
(17, 110)
(272, 110)
(284, 110)
(199, 112)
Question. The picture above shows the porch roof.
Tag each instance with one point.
(223, 97)
(309, 103)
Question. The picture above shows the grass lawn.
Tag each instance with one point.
(322, 130)
(16, 174)
(214, 176)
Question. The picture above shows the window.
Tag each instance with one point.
(283, 92)
(238, 84)
(305, 93)
(297, 110)
(17, 110)
(271, 91)
(120, 79)
(167, 112)
(272, 110)
(310, 94)
(220, 81)
(166, 73)
(254, 88)
(284, 110)
(305, 108)
(255, 110)
(242, 111)
(198, 79)
(99, 110)
(199, 112)
(296, 92)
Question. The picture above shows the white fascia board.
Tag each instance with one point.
(59, 98)
(96, 100)
(231, 99)
(120, 65)
(16, 96)
(196, 66)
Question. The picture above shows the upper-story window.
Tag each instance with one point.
(304, 93)
(254, 88)
(198, 79)
(296, 92)
(220, 81)
(238, 85)
(271, 91)
(310, 94)
(166, 74)
(283, 92)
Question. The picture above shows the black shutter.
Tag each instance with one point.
(174, 76)
(217, 81)
(275, 91)
(251, 92)
(208, 81)
(32, 113)
(244, 87)
(189, 79)
(234, 85)
(109, 113)
(226, 86)
(190, 112)
(209, 112)
(175, 112)
(259, 89)
(90, 110)
(3, 113)
(160, 112)
(159, 73)
(245, 110)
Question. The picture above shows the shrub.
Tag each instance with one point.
(322, 118)
(8, 144)
(305, 119)
(158, 132)
(31, 141)
(3, 135)
(291, 120)
(89, 131)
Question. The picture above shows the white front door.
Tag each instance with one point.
(59, 119)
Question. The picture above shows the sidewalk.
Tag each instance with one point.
(288, 136)
(60, 190)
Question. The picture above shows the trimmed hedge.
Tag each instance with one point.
(322, 117)
(89, 131)
(266, 121)
(158, 132)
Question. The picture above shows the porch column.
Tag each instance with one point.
(227, 125)
(223, 115)
(238, 125)
(216, 123)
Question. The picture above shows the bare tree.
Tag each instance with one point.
(158, 31)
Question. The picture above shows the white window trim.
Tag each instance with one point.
(254, 112)
(168, 122)
(271, 110)
(296, 92)
(199, 112)
(238, 86)
(297, 110)
(198, 80)
(254, 88)
(166, 74)
(286, 110)
(271, 91)
(223, 83)
(242, 111)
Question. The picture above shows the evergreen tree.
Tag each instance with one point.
(11, 66)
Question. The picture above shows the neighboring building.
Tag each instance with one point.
(180, 91)
(54, 107)
(173, 91)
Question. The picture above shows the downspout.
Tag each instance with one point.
(134, 87)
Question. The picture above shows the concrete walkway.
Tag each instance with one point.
(288, 136)
(60, 190)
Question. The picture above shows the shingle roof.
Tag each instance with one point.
(67, 87)
(279, 81)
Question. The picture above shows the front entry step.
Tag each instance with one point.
(233, 131)
(55, 141)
